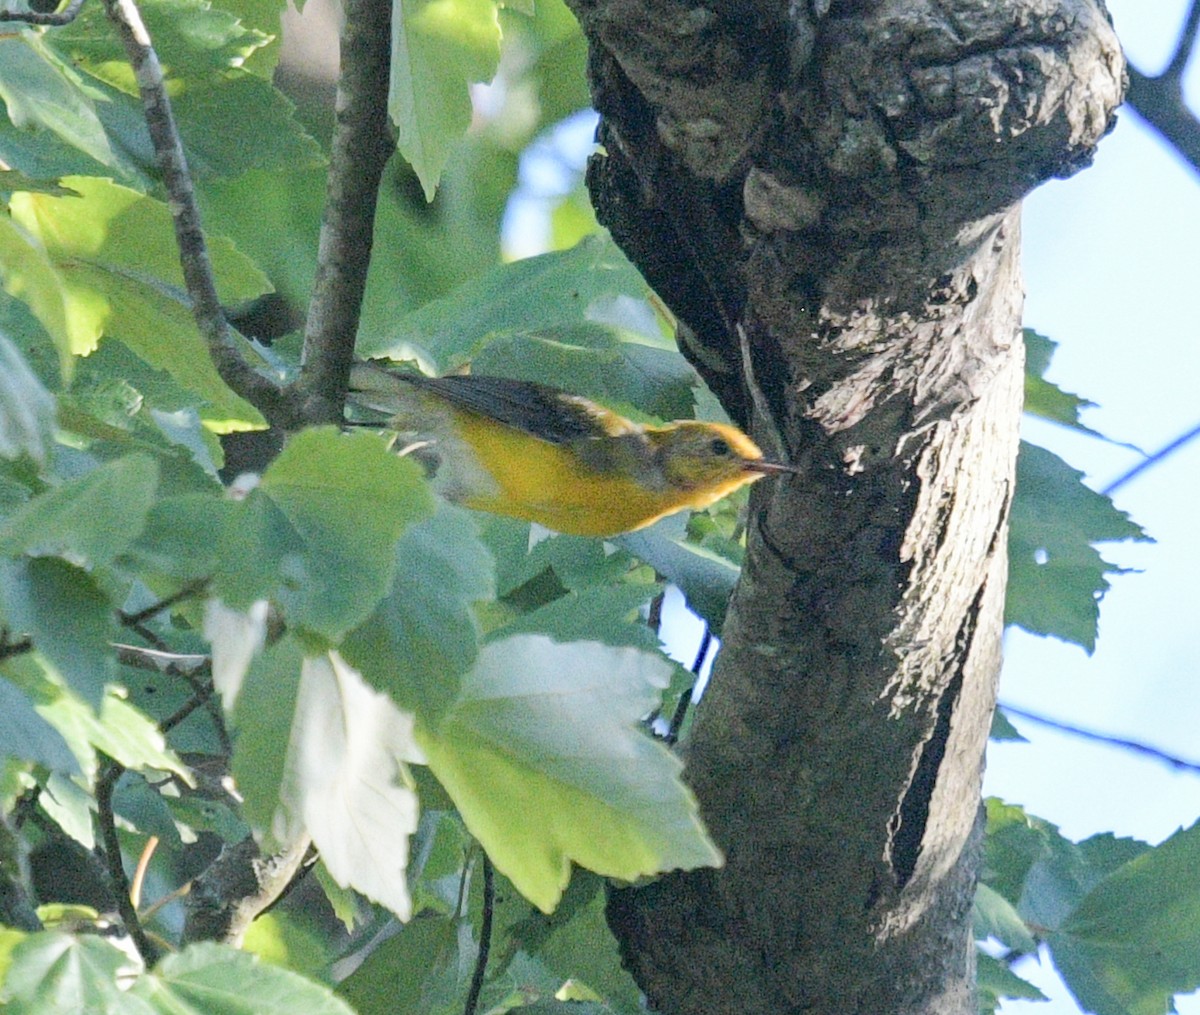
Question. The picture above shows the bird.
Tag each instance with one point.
(537, 453)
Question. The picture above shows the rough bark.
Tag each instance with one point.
(841, 182)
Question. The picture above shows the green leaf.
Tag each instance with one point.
(222, 110)
(1133, 941)
(122, 270)
(1043, 874)
(263, 719)
(705, 578)
(26, 407)
(1056, 576)
(348, 498)
(186, 537)
(347, 782)
(1003, 729)
(597, 361)
(213, 979)
(93, 518)
(423, 636)
(42, 92)
(30, 276)
(67, 616)
(28, 736)
(589, 283)
(119, 730)
(610, 614)
(56, 972)
(1044, 399)
(576, 944)
(190, 37)
(543, 756)
(994, 916)
(995, 981)
(439, 47)
(411, 971)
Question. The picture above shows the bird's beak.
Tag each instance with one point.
(769, 468)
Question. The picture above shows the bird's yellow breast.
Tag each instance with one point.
(547, 483)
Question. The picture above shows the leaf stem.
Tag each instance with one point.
(485, 937)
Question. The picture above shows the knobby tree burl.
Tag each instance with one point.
(827, 197)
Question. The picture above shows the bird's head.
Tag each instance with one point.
(710, 456)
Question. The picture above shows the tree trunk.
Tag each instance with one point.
(838, 184)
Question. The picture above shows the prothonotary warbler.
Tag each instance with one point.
(533, 452)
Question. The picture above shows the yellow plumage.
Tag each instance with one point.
(533, 452)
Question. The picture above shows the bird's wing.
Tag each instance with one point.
(536, 409)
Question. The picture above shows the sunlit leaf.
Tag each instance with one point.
(543, 755)
(439, 47)
(346, 780)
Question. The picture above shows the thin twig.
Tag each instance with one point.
(276, 403)
(8, 649)
(1152, 460)
(110, 772)
(63, 17)
(685, 699)
(1135, 746)
(139, 874)
(362, 145)
(1183, 48)
(485, 938)
(194, 668)
(654, 616)
(187, 591)
(1160, 103)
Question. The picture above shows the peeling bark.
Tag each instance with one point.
(840, 181)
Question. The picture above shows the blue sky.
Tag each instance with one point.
(1111, 269)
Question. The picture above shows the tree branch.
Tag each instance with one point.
(361, 147)
(1160, 103)
(1150, 461)
(471, 1005)
(1159, 98)
(276, 403)
(110, 772)
(850, 180)
(1185, 45)
(1136, 746)
(63, 17)
(236, 887)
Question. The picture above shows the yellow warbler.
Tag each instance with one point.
(540, 454)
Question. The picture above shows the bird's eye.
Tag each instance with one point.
(719, 446)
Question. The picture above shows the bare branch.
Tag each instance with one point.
(1135, 746)
(1160, 103)
(485, 938)
(110, 772)
(236, 887)
(275, 402)
(1152, 460)
(1159, 98)
(1185, 45)
(63, 17)
(361, 148)
(188, 590)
